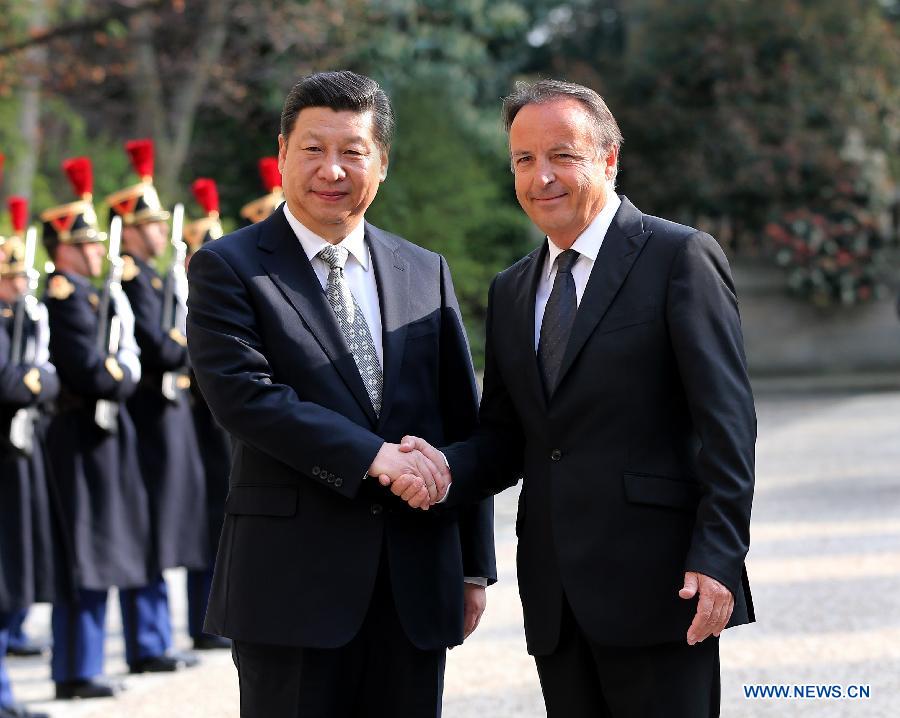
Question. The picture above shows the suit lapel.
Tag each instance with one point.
(526, 291)
(286, 263)
(392, 277)
(621, 247)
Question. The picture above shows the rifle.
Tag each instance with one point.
(109, 332)
(24, 350)
(174, 296)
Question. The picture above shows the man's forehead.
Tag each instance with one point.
(323, 120)
(550, 125)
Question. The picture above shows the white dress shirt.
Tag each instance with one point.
(587, 245)
(358, 272)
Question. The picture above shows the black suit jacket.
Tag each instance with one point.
(641, 465)
(304, 529)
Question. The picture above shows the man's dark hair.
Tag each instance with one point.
(606, 130)
(341, 90)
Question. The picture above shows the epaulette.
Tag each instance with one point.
(59, 287)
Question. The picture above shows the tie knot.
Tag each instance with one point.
(334, 256)
(566, 260)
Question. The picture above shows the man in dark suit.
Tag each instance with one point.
(318, 340)
(615, 384)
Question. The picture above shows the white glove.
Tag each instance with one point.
(129, 352)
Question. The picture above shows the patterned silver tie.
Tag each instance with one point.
(353, 324)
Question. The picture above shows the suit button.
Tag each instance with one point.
(376, 509)
(316, 470)
(556, 455)
(338, 482)
(328, 477)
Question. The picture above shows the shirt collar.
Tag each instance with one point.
(312, 243)
(589, 241)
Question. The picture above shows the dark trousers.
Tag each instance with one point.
(199, 584)
(145, 621)
(379, 674)
(585, 680)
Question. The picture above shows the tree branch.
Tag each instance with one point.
(83, 26)
(189, 93)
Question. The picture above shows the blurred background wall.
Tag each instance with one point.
(773, 124)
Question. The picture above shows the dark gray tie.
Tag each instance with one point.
(559, 316)
(353, 324)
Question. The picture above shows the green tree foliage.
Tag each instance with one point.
(742, 108)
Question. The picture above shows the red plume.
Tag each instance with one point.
(18, 213)
(2, 160)
(141, 153)
(81, 175)
(207, 194)
(268, 170)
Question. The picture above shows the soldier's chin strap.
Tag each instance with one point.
(86, 263)
(147, 254)
(148, 248)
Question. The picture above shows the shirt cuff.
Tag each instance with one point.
(476, 581)
(447, 492)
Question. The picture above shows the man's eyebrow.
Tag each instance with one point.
(313, 135)
(555, 148)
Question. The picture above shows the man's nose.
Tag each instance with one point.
(545, 173)
(331, 168)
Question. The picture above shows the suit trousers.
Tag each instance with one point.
(378, 674)
(582, 679)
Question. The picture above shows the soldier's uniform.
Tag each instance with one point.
(31, 534)
(167, 443)
(215, 444)
(97, 470)
(260, 208)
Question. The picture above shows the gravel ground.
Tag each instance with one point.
(824, 567)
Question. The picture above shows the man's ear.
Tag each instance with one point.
(610, 161)
(282, 152)
(384, 166)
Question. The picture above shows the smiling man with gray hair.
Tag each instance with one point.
(616, 387)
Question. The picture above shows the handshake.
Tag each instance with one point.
(415, 471)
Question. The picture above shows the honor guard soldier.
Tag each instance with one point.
(30, 530)
(160, 408)
(18, 643)
(91, 440)
(259, 209)
(215, 445)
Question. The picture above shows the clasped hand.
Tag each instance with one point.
(414, 470)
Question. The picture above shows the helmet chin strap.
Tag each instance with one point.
(151, 250)
(145, 242)
(85, 262)
(148, 247)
